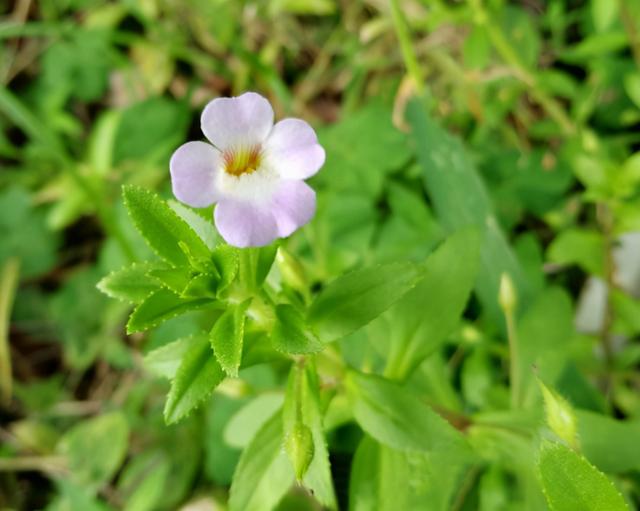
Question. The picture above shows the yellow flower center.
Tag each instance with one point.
(242, 160)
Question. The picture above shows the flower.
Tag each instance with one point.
(254, 170)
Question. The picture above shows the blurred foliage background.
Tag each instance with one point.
(543, 101)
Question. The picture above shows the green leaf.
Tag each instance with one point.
(353, 300)
(161, 306)
(149, 129)
(227, 337)
(385, 479)
(290, 333)
(396, 417)
(162, 228)
(422, 319)
(175, 279)
(255, 264)
(244, 425)
(202, 227)
(143, 481)
(460, 199)
(132, 283)
(165, 360)
(263, 474)
(543, 336)
(571, 483)
(95, 448)
(583, 247)
(197, 376)
(610, 444)
(226, 261)
(318, 475)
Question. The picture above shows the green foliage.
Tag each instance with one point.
(353, 300)
(571, 483)
(372, 360)
(195, 379)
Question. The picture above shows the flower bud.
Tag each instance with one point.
(507, 296)
(300, 449)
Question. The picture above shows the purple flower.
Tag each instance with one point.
(254, 170)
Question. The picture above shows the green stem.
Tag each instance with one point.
(527, 77)
(8, 287)
(406, 47)
(514, 359)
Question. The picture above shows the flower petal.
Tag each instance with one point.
(293, 150)
(243, 224)
(242, 121)
(193, 167)
(293, 205)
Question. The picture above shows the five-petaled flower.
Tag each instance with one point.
(254, 170)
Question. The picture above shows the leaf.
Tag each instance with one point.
(175, 279)
(244, 425)
(610, 444)
(150, 128)
(318, 477)
(165, 360)
(202, 227)
(543, 336)
(227, 337)
(161, 306)
(162, 228)
(143, 481)
(106, 439)
(197, 376)
(255, 264)
(572, 484)
(396, 417)
(385, 479)
(226, 261)
(290, 333)
(353, 300)
(422, 319)
(131, 283)
(583, 247)
(263, 474)
(460, 199)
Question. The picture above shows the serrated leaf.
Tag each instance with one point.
(175, 279)
(227, 337)
(165, 360)
(571, 483)
(263, 474)
(201, 286)
(246, 422)
(132, 283)
(353, 300)
(396, 417)
(161, 306)
(197, 376)
(161, 227)
(290, 333)
(226, 261)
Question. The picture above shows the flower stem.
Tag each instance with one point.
(406, 46)
(8, 286)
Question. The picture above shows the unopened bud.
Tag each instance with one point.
(507, 297)
(300, 449)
